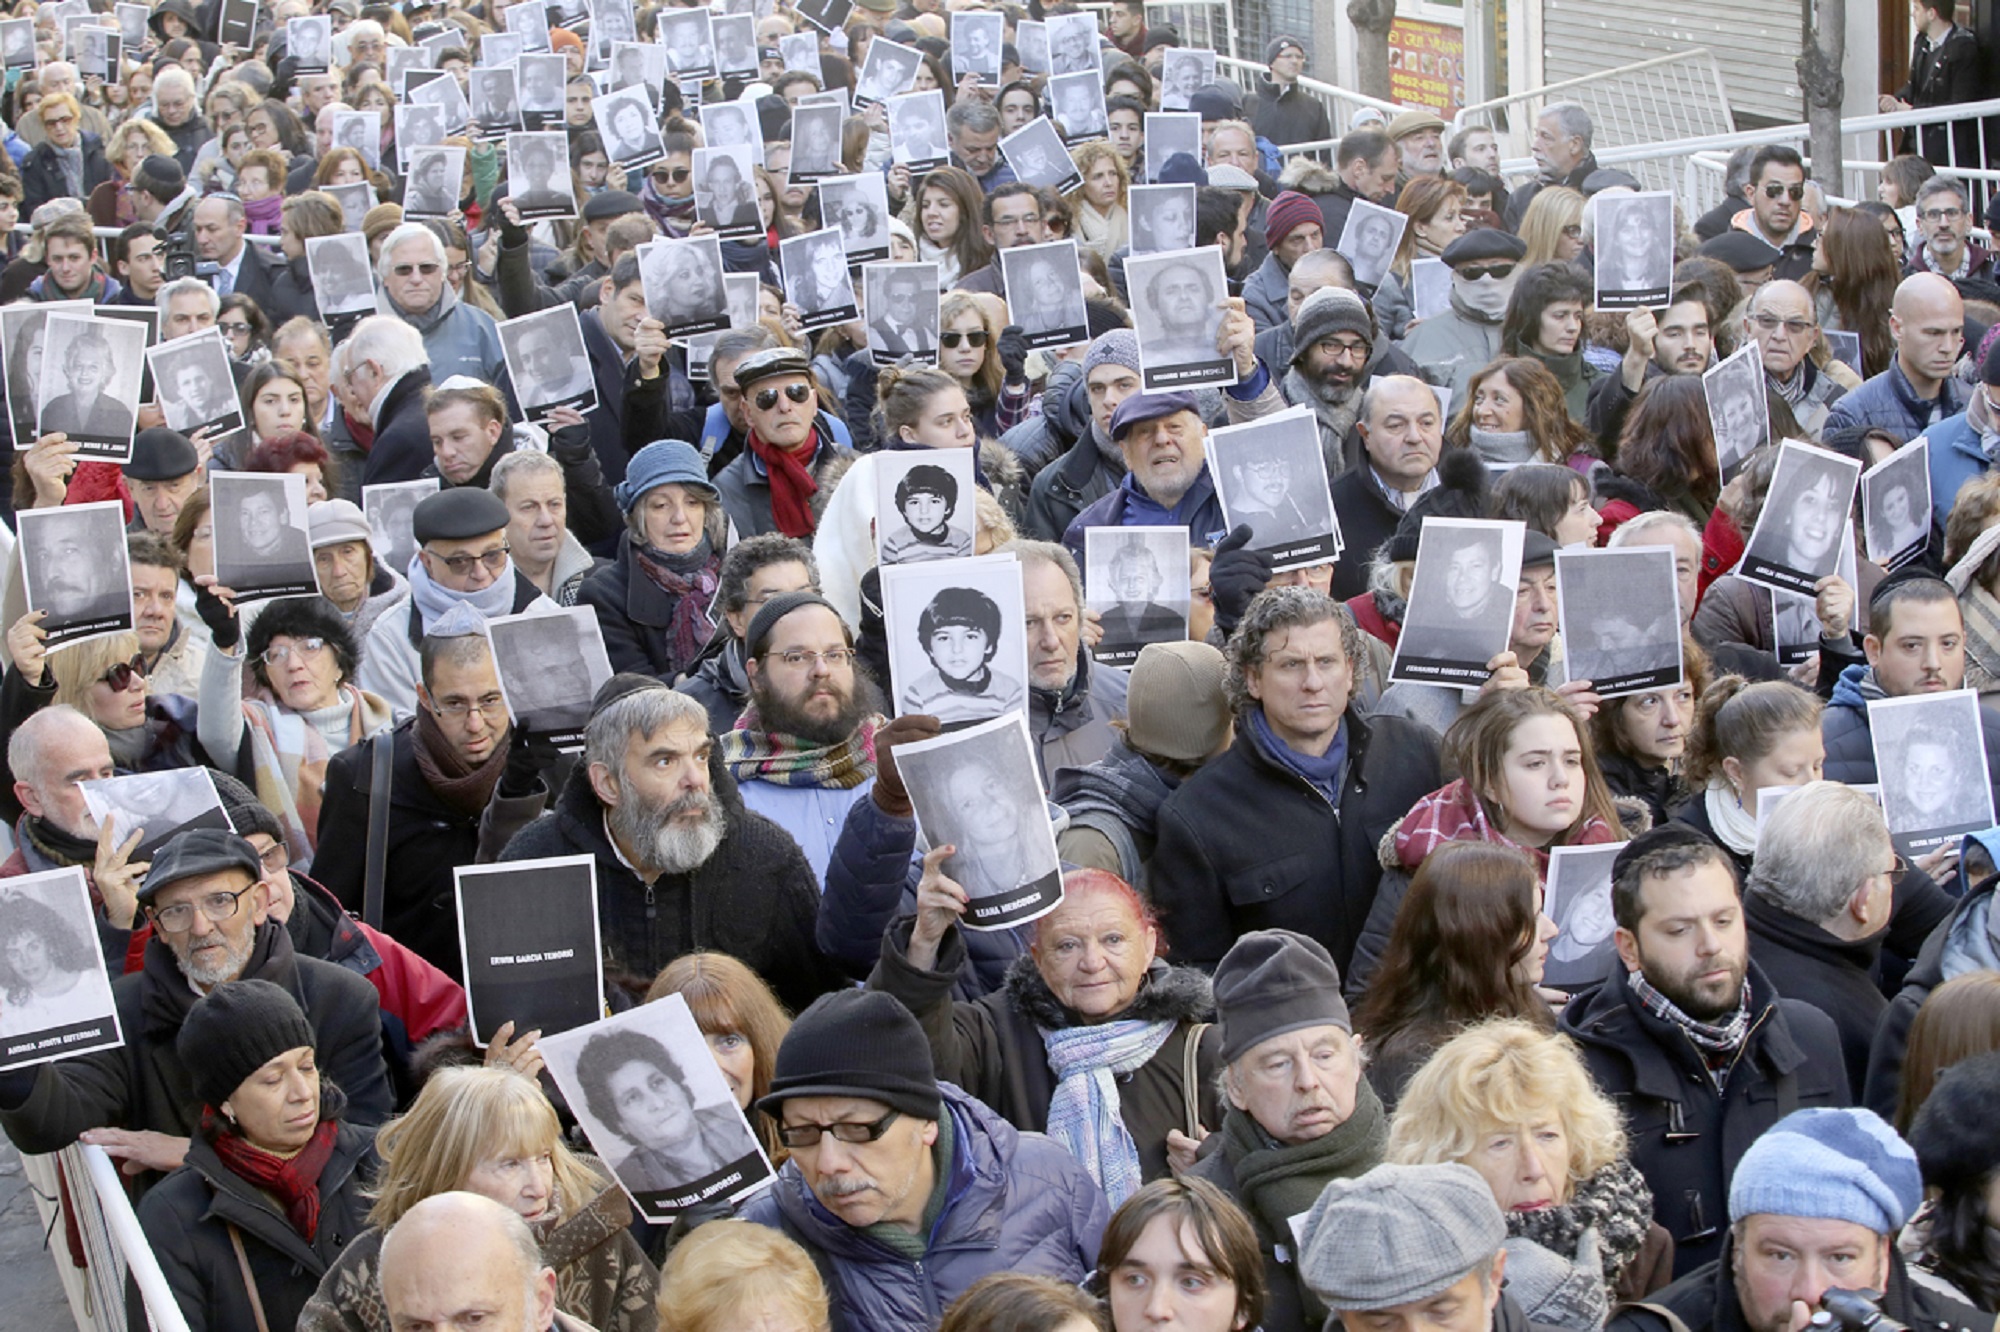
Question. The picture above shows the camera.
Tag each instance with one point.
(1854, 1311)
(178, 258)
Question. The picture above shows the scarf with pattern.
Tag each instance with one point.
(752, 753)
(691, 581)
(1615, 1200)
(1454, 814)
(1085, 1113)
(1714, 1039)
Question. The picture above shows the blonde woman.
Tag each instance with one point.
(1513, 1101)
(130, 144)
(1552, 228)
(491, 1131)
(1102, 223)
(729, 1275)
(104, 679)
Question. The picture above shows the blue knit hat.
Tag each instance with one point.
(663, 462)
(1829, 1165)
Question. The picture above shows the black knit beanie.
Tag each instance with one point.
(858, 1043)
(236, 1029)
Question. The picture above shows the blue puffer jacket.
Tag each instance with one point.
(1850, 750)
(1016, 1203)
(1955, 458)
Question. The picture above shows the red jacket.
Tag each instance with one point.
(1372, 621)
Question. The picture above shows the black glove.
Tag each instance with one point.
(1235, 577)
(526, 761)
(569, 441)
(511, 236)
(1014, 352)
(223, 626)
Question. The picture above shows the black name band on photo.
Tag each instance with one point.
(104, 624)
(1185, 374)
(1301, 552)
(1778, 575)
(1004, 909)
(1635, 682)
(36, 1045)
(1443, 672)
(282, 587)
(1650, 298)
(839, 314)
(540, 411)
(697, 1191)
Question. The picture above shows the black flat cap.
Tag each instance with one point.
(1743, 252)
(770, 363)
(612, 203)
(458, 515)
(160, 454)
(197, 852)
(1485, 243)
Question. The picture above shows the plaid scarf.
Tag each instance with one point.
(1715, 1040)
(1085, 1114)
(288, 758)
(293, 1181)
(1454, 814)
(752, 753)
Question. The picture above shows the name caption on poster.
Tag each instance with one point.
(52, 1042)
(510, 959)
(728, 1181)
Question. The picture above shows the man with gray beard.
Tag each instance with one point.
(1333, 337)
(682, 866)
(208, 902)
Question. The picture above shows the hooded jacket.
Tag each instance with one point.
(720, 684)
(1113, 802)
(459, 339)
(401, 446)
(1014, 1202)
(1850, 750)
(635, 615)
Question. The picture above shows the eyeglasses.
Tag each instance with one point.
(404, 270)
(275, 859)
(1574, 231)
(800, 1137)
(1474, 272)
(670, 175)
(489, 705)
(1342, 349)
(1928, 215)
(235, 328)
(767, 398)
(1770, 323)
(799, 659)
(1777, 191)
(57, 122)
(460, 565)
(457, 272)
(976, 338)
(178, 918)
(280, 653)
(1898, 866)
(120, 676)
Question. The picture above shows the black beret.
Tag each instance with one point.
(459, 514)
(160, 454)
(612, 203)
(1742, 251)
(198, 852)
(1485, 243)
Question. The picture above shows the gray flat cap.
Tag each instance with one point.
(1398, 1234)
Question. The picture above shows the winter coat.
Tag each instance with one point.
(602, 1275)
(144, 1085)
(1072, 727)
(1850, 752)
(1523, 195)
(1705, 1300)
(1046, 435)
(401, 448)
(720, 685)
(1836, 976)
(1736, 616)
(427, 839)
(1074, 481)
(1889, 401)
(746, 487)
(1684, 1137)
(636, 616)
(1015, 1202)
(1367, 519)
(1289, 115)
(188, 1215)
(1940, 961)
(755, 898)
(1246, 844)
(391, 654)
(460, 339)
(1204, 521)
(42, 175)
(1453, 347)
(1113, 807)
(993, 1045)
(1956, 457)
(1267, 294)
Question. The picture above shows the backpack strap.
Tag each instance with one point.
(1191, 1078)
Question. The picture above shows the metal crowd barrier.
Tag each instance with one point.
(82, 1200)
(1671, 97)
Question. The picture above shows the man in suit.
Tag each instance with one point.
(897, 329)
(240, 266)
(87, 411)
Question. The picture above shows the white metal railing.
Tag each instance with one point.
(1340, 103)
(114, 1248)
(1670, 97)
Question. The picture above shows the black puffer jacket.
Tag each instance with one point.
(1705, 1300)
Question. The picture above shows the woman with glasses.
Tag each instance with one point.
(1853, 282)
(104, 679)
(652, 602)
(245, 329)
(131, 143)
(1552, 228)
(273, 125)
(969, 351)
(306, 708)
(667, 193)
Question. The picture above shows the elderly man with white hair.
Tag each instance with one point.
(382, 372)
(458, 339)
(463, 1260)
(177, 110)
(60, 76)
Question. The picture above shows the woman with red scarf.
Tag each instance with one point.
(271, 1191)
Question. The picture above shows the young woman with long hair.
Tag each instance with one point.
(969, 351)
(1102, 224)
(1668, 446)
(1514, 412)
(1552, 228)
(1853, 281)
(947, 225)
(1435, 206)
(1546, 319)
(1747, 736)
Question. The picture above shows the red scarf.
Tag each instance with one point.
(1454, 814)
(792, 485)
(294, 1182)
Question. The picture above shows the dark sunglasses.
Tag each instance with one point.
(670, 175)
(1474, 272)
(976, 338)
(1777, 191)
(120, 676)
(768, 398)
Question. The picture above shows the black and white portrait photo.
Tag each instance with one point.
(1031, 43)
(435, 176)
(157, 805)
(723, 194)
(736, 45)
(977, 791)
(740, 291)
(976, 42)
(1430, 288)
(309, 41)
(1162, 218)
(17, 43)
(612, 21)
(501, 48)
(1369, 240)
(683, 284)
(263, 547)
(341, 278)
(1171, 134)
(887, 70)
(1044, 287)
(829, 16)
(418, 127)
(647, 1092)
(800, 51)
(638, 65)
(924, 506)
(538, 174)
(1896, 504)
(1077, 102)
(550, 666)
(530, 22)
(1578, 900)
(689, 39)
(1178, 300)
(816, 278)
(957, 640)
(542, 80)
(361, 131)
(859, 207)
(1039, 157)
(1931, 765)
(1182, 70)
(55, 990)
(73, 567)
(816, 144)
(89, 387)
(131, 24)
(625, 121)
(447, 97)
(528, 931)
(404, 61)
(1139, 582)
(1621, 618)
(1635, 249)
(1737, 412)
(916, 131)
(192, 381)
(496, 101)
(95, 50)
(390, 508)
(547, 359)
(355, 202)
(1845, 347)
(1270, 474)
(1798, 535)
(1073, 45)
(902, 302)
(730, 125)
(24, 330)
(1461, 611)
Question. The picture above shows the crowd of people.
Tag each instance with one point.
(1322, 1019)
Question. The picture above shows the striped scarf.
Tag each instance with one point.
(1716, 1040)
(1084, 1112)
(752, 753)
(288, 759)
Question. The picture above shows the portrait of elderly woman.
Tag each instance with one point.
(51, 973)
(634, 1088)
(1514, 1102)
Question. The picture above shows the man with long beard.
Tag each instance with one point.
(682, 866)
